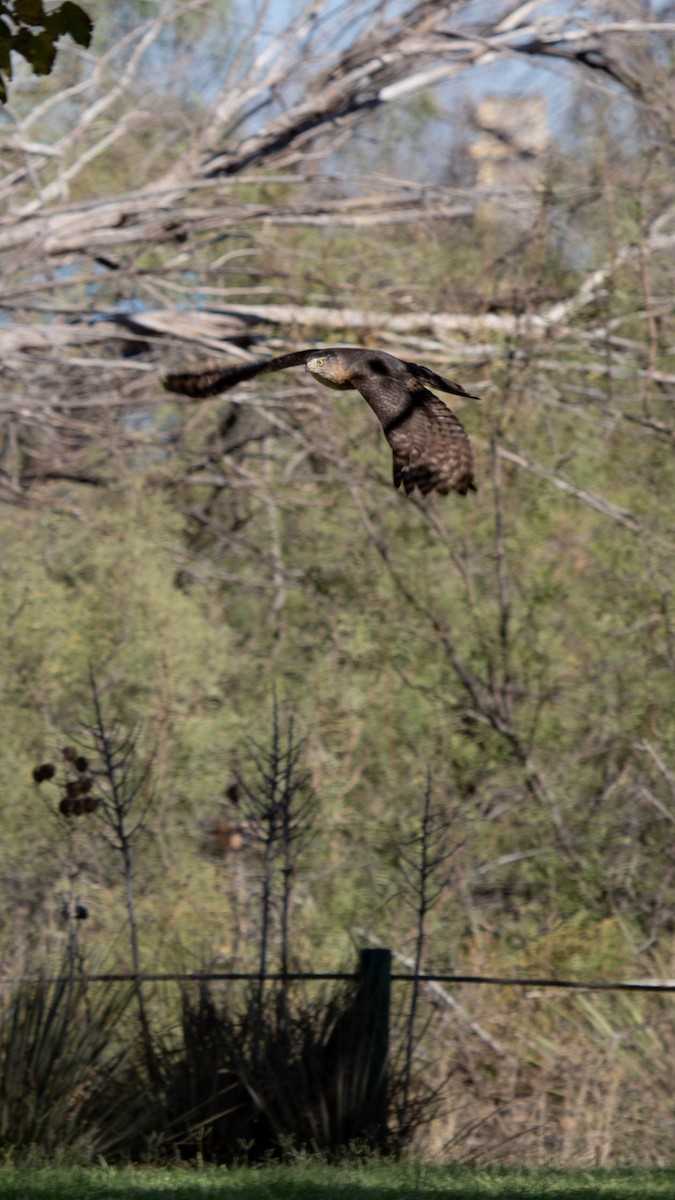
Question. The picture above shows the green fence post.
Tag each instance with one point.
(373, 1002)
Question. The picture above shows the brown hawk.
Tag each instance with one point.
(431, 450)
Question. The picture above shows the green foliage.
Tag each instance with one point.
(18, 21)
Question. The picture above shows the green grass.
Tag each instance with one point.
(312, 1182)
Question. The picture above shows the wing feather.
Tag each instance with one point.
(220, 379)
(437, 381)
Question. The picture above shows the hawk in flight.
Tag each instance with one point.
(430, 448)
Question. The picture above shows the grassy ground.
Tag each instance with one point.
(333, 1183)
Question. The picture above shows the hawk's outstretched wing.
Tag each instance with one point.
(200, 384)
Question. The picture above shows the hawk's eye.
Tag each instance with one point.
(319, 362)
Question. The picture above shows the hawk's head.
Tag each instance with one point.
(329, 368)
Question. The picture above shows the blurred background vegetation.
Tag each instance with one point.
(490, 194)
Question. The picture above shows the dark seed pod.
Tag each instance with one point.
(233, 790)
(67, 806)
(69, 753)
(81, 763)
(73, 788)
(44, 771)
(86, 784)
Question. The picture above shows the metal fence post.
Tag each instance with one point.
(372, 1016)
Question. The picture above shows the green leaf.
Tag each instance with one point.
(37, 48)
(5, 56)
(29, 12)
(76, 22)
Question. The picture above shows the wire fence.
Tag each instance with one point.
(346, 976)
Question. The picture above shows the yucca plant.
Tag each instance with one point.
(256, 1081)
(61, 1065)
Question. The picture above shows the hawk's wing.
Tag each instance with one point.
(425, 375)
(210, 383)
(430, 447)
